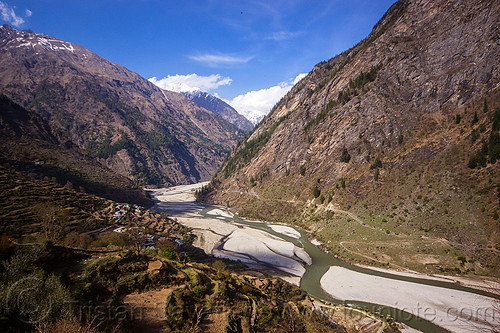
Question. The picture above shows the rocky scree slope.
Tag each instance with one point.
(387, 130)
(133, 127)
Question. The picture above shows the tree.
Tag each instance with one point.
(496, 120)
(169, 253)
(219, 265)
(475, 119)
(137, 237)
(52, 219)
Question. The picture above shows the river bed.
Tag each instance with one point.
(419, 301)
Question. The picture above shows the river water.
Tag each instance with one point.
(322, 262)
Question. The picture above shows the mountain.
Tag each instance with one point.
(29, 145)
(147, 134)
(388, 153)
(218, 106)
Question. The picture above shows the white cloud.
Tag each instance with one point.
(28, 13)
(213, 60)
(191, 82)
(299, 77)
(254, 105)
(283, 35)
(9, 16)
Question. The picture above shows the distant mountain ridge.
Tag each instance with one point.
(133, 127)
(218, 106)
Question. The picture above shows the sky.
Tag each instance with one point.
(249, 53)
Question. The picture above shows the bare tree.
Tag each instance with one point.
(137, 237)
(52, 218)
(198, 314)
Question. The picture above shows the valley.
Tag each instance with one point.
(366, 200)
(327, 278)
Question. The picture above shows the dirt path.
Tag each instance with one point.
(368, 257)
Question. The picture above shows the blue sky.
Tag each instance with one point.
(232, 47)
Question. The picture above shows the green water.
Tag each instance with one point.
(322, 261)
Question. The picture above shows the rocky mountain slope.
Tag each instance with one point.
(133, 127)
(218, 106)
(28, 145)
(391, 145)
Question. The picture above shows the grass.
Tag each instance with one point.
(371, 244)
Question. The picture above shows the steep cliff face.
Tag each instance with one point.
(218, 106)
(129, 124)
(386, 130)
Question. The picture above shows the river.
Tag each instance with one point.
(425, 303)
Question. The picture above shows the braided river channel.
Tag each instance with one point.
(423, 303)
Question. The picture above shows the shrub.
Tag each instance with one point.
(219, 265)
(494, 147)
(168, 253)
(200, 290)
(233, 324)
(302, 170)
(475, 119)
(31, 296)
(316, 191)
(474, 135)
(345, 157)
(152, 251)
(376, 164)
(496, 120)
(75, 239)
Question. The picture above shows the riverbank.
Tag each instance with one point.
(454, 310)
